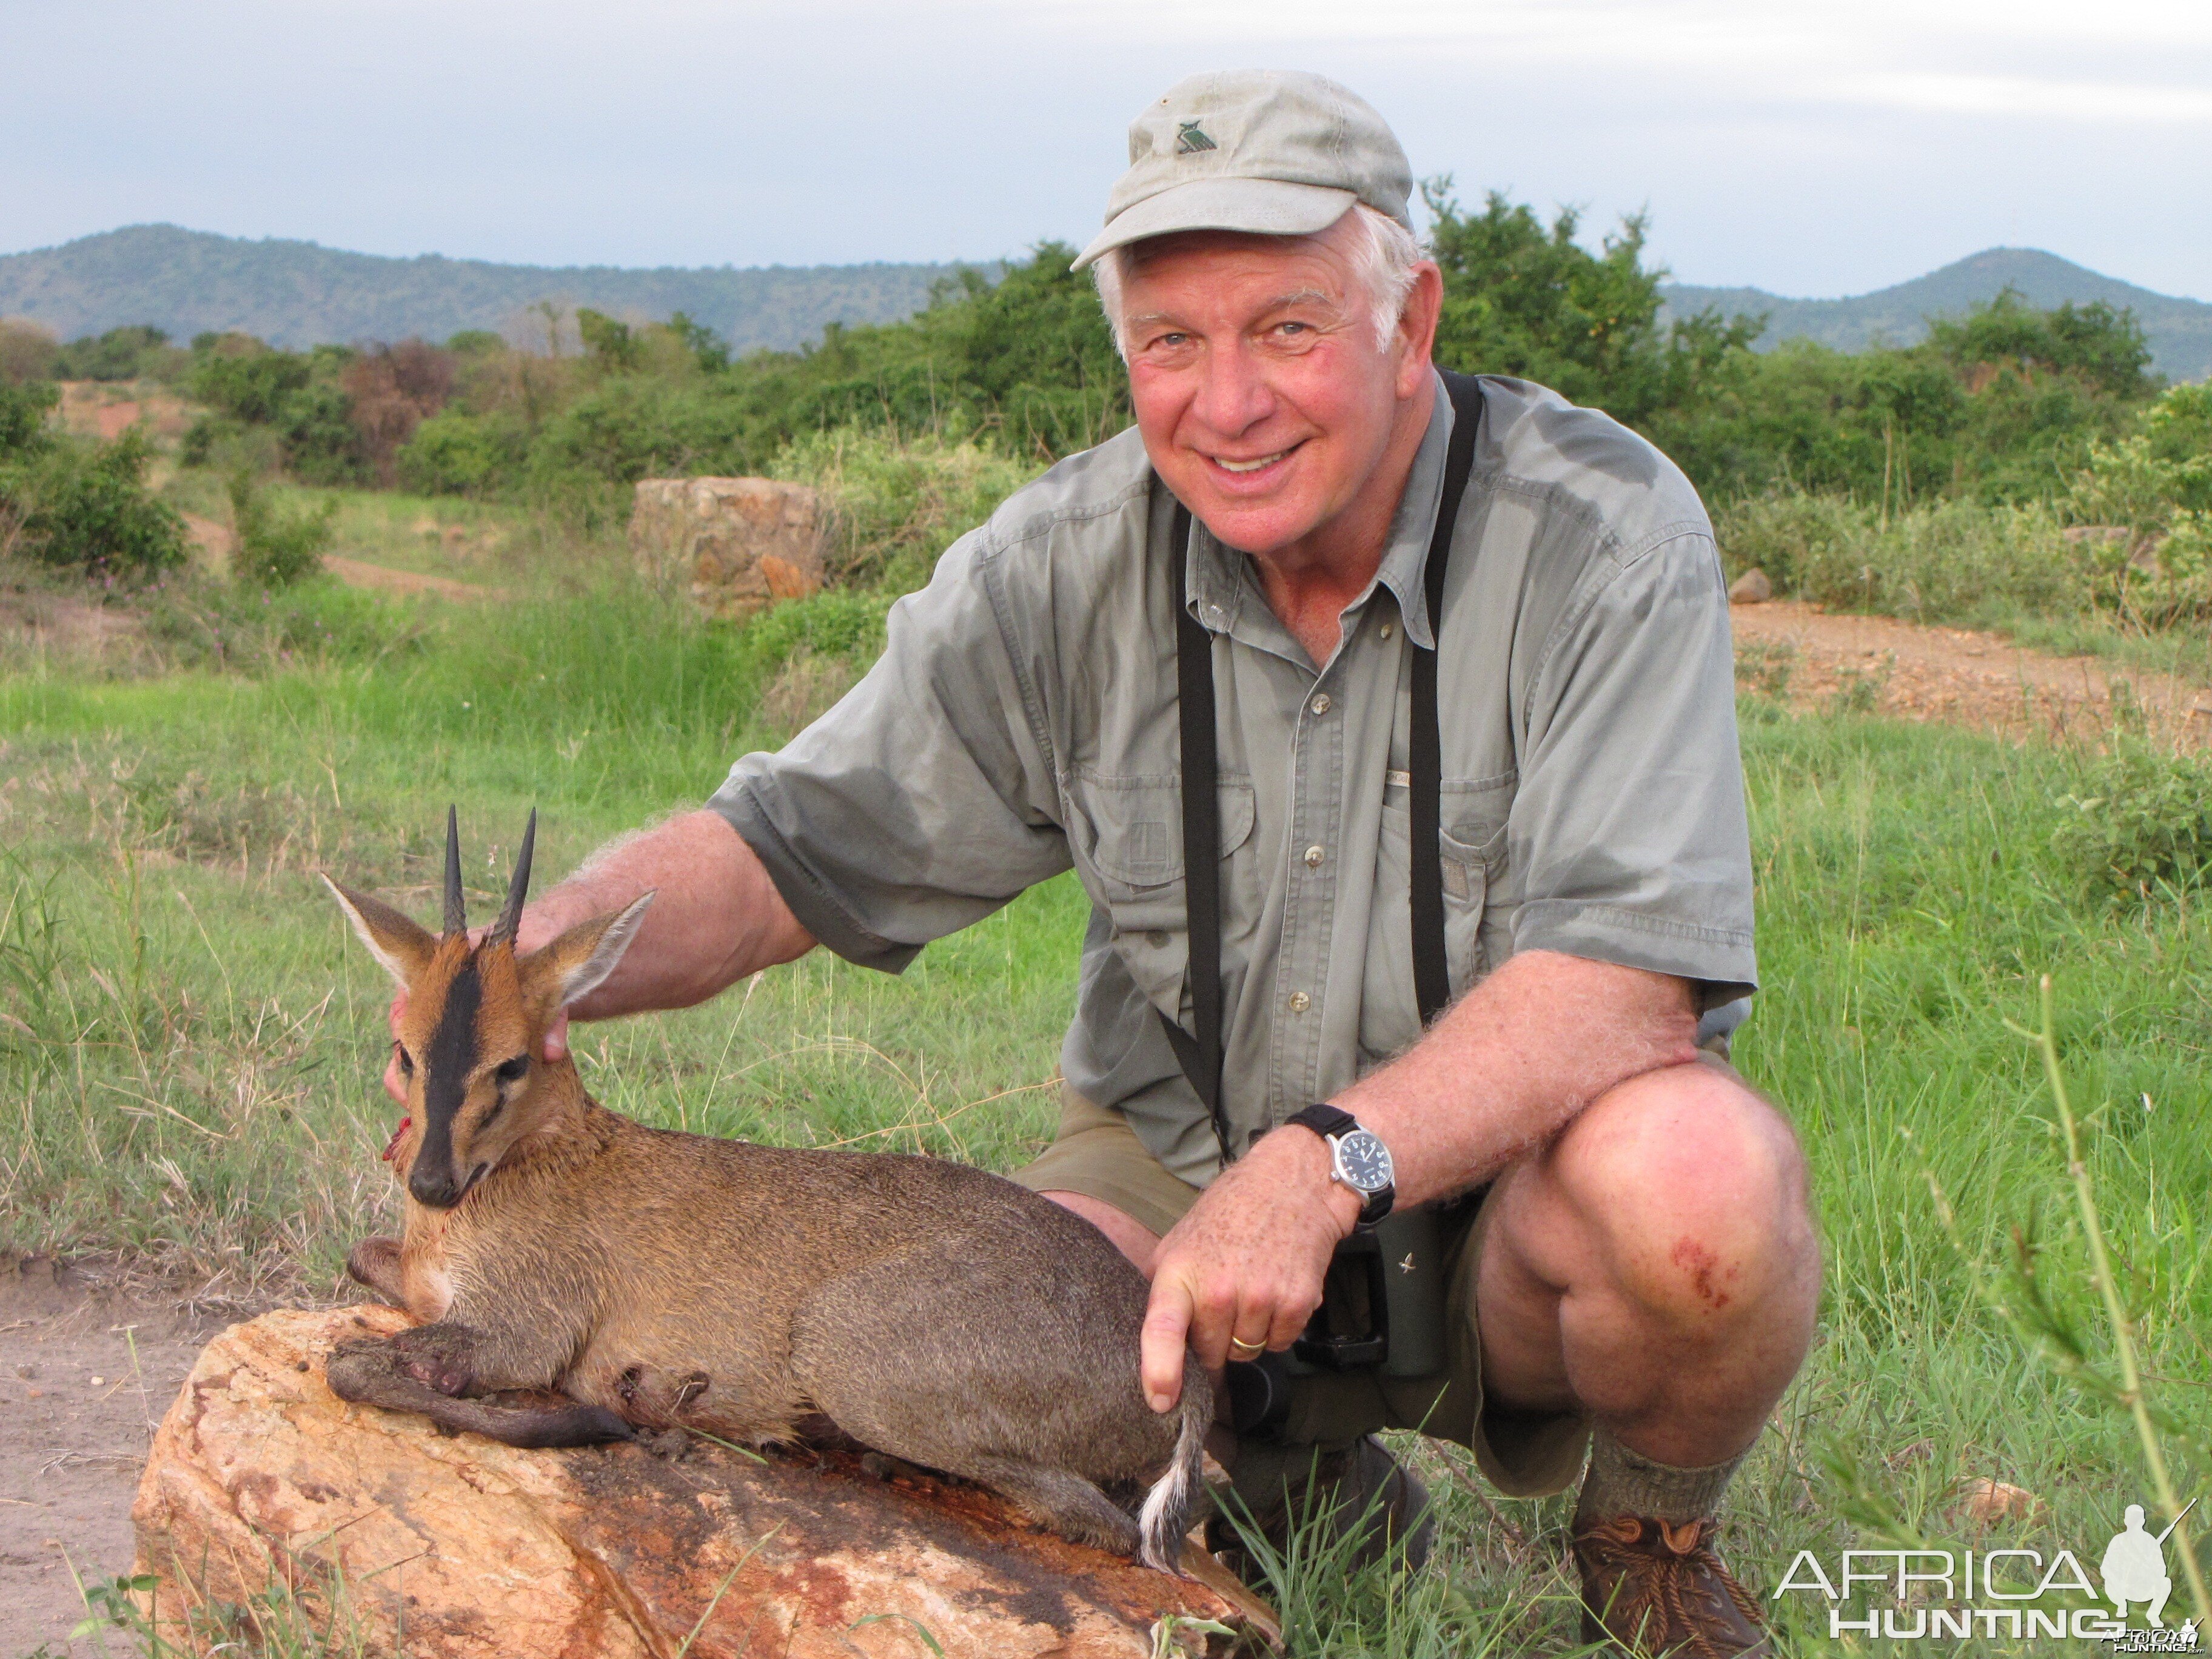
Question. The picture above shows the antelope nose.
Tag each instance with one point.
(434, 1188)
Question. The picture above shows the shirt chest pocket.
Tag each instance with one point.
(1470, 846)
(1126, 834)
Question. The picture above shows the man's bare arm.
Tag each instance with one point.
(716, 918)
(1513, 1061)
(1508, 1064)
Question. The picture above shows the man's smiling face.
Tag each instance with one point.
(1265, 399)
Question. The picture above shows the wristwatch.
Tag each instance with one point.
(1359, 1160)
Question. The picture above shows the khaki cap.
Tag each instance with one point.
(1278, 152)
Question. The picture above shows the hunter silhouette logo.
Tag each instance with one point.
(2003, 1592)
(1190, 139)
(2134, 1567)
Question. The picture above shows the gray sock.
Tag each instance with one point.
(1624, 1482)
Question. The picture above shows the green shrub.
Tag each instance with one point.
(27, 351)
(1951, 560)
(295, 395)
(454, 453)
(2143, 822)
(900, 502)
(273, 548)
(85, 507)
(23, 410)
(132, 353)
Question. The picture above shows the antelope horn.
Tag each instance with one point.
(519, 889)
(457, 914)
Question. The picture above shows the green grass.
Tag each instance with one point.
(190, 1042)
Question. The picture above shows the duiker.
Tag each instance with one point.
(927, 1309)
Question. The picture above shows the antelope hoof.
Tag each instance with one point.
(431, 1361)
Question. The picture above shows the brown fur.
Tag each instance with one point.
(930, 1311)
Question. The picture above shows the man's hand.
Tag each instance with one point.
(1246, 1262)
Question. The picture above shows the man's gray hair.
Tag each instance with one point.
(1383, 255)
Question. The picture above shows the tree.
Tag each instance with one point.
(1524, 299)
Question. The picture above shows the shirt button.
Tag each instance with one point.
(1314, 856)
(1389, 628)
(1300, 1002)
(1321, 704)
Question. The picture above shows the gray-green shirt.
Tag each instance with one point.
(1022, 719)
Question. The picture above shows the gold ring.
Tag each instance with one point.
(1243, 1349)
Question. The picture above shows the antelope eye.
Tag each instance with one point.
(512, 1070)
(406, 1060)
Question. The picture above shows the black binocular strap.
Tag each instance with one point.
(1199, 1052)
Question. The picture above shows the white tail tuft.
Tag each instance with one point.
(1165, 1516)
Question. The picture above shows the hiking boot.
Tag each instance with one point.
(1656, 1588)
(1374, 1507)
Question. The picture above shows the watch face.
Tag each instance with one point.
(1364, 1162)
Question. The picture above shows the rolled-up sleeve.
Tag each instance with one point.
(1628, 833)
(924, 799)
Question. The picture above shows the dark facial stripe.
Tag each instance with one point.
(447, 1063)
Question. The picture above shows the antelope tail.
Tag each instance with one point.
(1166, 1516)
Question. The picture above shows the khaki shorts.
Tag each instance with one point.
(1099, 1155)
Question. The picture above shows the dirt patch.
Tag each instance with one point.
(1877, 665)
(356, 573)
(86, 1372)
(95, 408)
(213, 545)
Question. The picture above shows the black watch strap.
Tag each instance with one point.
(1325, 1120)
(1330, 1122)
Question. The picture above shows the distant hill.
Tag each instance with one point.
(2180, 331)
(300, 294)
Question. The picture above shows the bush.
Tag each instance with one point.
(900, 503)
(390, 391)
(1953, 561)
(85, 507)
(27, 351)
(226, 444)
(297, 396)
(273, 548)
(132, 353)
(454, 453)
(23, 410)
(2144, 822)
(1527, 299)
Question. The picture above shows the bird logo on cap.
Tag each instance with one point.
(1191, 138)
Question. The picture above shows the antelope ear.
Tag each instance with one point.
(393, 939)
(576, 963)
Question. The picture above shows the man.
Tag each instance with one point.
(1638, 1284)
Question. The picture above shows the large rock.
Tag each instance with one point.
(739, 544)
(378, 1522)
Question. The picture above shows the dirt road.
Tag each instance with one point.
(85, 1376)
(1955, 675)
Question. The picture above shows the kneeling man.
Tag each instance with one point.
(1388, 719)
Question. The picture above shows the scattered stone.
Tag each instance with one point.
(1751, 588)
(740, 544)
(1985, 1502)
(261, 1477)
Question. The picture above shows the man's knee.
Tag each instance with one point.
(1695, 1192)
(1128, 1235)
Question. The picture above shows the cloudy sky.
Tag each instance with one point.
(1810, 147)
